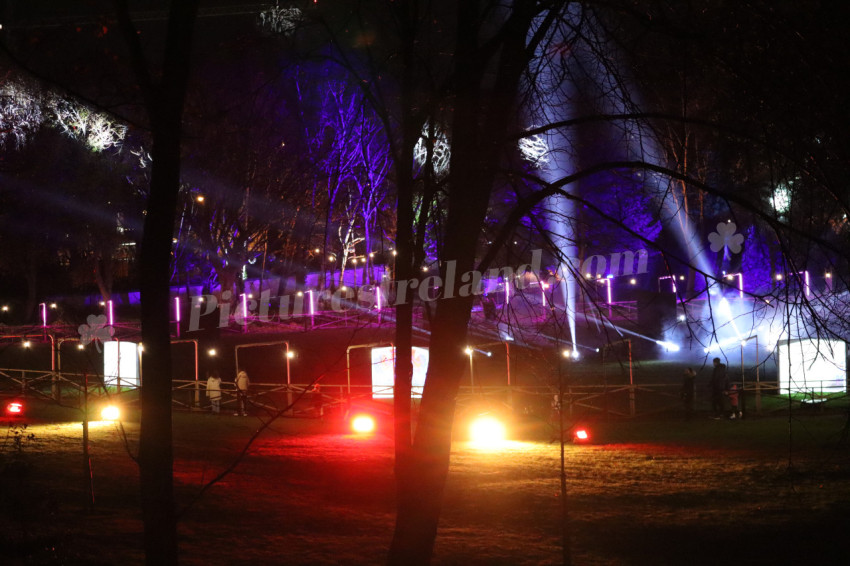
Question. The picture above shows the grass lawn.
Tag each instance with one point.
(767, 490)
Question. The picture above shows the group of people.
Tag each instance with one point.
(242, 383)
(721, 390)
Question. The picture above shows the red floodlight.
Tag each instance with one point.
(581, 435)
(363, 424)
(15, 408)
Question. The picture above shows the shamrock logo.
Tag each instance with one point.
(726, 237)
(95, 331)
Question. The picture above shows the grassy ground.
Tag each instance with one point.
(759, 491)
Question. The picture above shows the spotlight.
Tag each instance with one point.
(110, 413)
(581, 436)
(15, 408)
(363, 424)
(487, 431)
(669, 346)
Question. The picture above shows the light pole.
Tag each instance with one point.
(743, 375)
(740, 276)
(805, 275)
(672, 279)
(469, 351)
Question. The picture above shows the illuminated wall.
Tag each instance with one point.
(813, 366)
(383, 371)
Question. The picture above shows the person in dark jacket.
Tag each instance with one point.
(718, 385)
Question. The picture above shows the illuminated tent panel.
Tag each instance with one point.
(813, 366)
(120, 363)
(383, 374)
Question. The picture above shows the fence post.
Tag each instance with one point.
(56, 389)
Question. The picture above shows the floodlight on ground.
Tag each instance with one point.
(15, 408)
(487, 431)
(581, 435)
(110, 413)
(363, 424)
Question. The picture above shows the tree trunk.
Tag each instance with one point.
(155, 442)
(164, 102)
(421, 477)
(477, 127)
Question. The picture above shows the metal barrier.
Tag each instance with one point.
(620, 401)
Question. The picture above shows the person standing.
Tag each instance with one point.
(719, 384)
(242, 385)
(733, 401)
(688, 392)
(214, 391)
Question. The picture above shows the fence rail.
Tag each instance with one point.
(621, 401)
